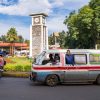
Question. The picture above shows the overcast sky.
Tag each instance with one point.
(15, 13)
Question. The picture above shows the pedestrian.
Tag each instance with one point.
(2, 63)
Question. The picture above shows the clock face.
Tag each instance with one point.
(36, 20)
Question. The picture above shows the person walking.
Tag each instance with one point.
(2, 63)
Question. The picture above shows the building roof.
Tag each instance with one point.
(44, 14)
(13, 44)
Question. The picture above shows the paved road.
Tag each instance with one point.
(23, 89)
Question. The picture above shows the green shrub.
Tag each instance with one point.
(9, 67)
(21, 64)
(18, 68)
(27, 68)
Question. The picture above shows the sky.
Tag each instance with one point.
(15, 13)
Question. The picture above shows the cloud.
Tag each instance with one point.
(69, 4)
(25, 7)
(56, 24)
(6, 2)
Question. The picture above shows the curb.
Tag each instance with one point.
(16, 74)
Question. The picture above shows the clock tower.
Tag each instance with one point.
(38, 34)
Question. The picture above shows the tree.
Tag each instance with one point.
(12, 37)
(20, 39)
(61, 39)
(71, 38)
(3, 38)
(95, 6)
(84, 26)
(51, 39)
(27, 41)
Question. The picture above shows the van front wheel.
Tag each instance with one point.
(98, 80)
(52, 80)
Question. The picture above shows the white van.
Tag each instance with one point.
(86, 67)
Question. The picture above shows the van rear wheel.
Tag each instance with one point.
(52, 80)
(98, 80)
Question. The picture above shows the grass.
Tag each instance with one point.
(20, 64)
(98, 63)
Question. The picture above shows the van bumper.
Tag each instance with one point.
(33, 76)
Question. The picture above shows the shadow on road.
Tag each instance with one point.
(64, 84)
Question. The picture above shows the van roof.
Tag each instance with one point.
(73, 51)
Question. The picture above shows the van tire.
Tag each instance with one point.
(52, 80)
(98, 80)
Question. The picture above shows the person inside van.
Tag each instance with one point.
(57, 58)
(69, 58)
(51, 58)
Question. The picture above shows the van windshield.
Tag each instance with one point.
(39, 58)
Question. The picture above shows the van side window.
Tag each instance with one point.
(51, 58)
(94, 58)
(76, 59)
(80, 59)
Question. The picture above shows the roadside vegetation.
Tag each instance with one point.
(18, 64)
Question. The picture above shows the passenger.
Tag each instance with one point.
(56, 57)
(51, 59)
(69, 58)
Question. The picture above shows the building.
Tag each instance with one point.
(11, 47)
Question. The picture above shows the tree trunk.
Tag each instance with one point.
(12, 49)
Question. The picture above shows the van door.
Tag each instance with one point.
(77, 72)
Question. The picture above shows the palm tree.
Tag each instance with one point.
(12, 38)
